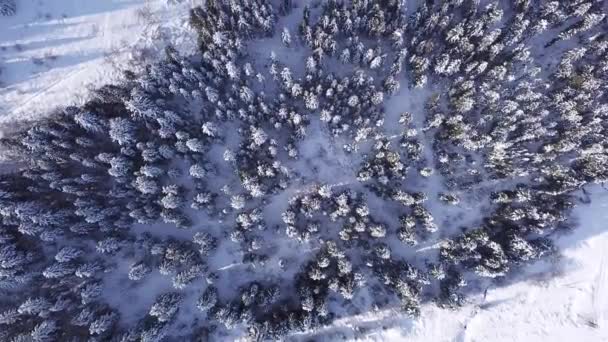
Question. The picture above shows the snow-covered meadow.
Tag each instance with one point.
(52, 52)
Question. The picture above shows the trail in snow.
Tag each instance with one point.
(600, 294)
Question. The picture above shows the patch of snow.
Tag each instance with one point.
(52, 51)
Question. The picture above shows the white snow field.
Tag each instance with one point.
(52, 51)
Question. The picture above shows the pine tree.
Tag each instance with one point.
(67, 254)
(172, 198)
(34, 306)
(166, 306)
(146, 185)
(206, 242)
(109, 246)
(103, 324)
(44, 331)
(208, 299)
(58, 270)
(196, 145)
(84, 318)
(8, 7)
(286, 37)
(198, 171)
(90, 292)
(9, 317)
(138, 271)
(90, 122)
(155, 333)
(182, 279)
(123, 131)
(88, 270)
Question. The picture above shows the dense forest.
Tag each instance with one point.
(7, 7)
(312, 161)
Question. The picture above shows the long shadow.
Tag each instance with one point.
(76, 8)
(349, 332)
(32, 19)
(23, 70)
(32, 12)
(16, 48)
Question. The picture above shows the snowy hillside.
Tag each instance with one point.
(319, 170)
(53, 51)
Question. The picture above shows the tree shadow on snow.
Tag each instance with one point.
(15, 48)
(24, 69)
(367, 328)
(42, 15)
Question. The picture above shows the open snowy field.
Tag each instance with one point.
(53, 51)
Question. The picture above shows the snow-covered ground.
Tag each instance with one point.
(561, 300)
(52, 51)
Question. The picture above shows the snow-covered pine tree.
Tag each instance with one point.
(8, 7)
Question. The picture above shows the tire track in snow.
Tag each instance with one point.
(599, 295)
(69, 76)
(44, 90)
